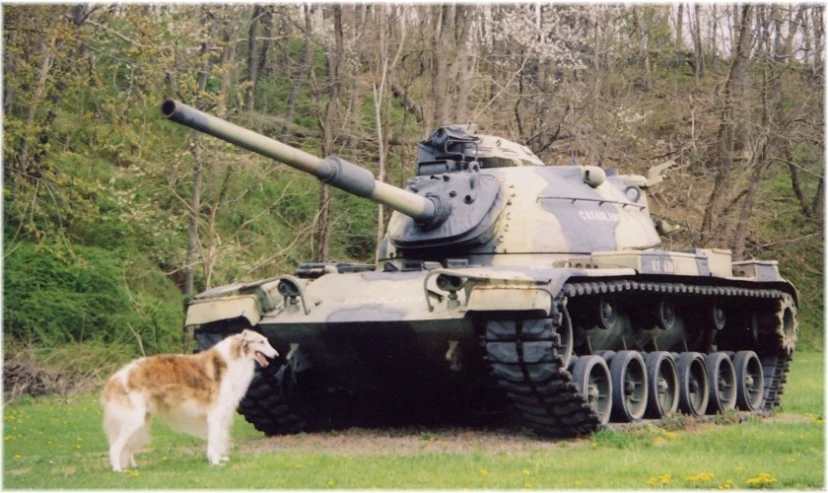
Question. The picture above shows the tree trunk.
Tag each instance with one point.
(697, 44)
(818, 205)
(439, 77)
(252, 66)
(463, 19)
(334, 81)
(796, 186)
(195, 204)
(47, 54)
(714, 49)
(818, 45)
(680, 27)
(267, 24)
(227, 64)
(302, 70)
(734, 94)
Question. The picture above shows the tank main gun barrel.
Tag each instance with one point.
(331, 170)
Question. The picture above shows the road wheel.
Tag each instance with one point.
(750, 382)
(592, 376)
(629, 386)
(722, 378)
(693, 385)
(662, 375)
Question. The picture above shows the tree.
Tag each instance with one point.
(731, 123)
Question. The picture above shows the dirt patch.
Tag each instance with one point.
(413, 441)
(406, 441)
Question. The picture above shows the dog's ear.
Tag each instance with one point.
(248, 335)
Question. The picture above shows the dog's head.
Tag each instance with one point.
(255, 345)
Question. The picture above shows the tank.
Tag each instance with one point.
(506, 290)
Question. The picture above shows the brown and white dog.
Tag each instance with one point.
(197, 394)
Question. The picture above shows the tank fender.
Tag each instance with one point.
(510, 298)
(213, 310)
(247, 300)
(509, 288)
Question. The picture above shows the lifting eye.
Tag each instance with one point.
(450, 283)
(287, 288)
(633, 193)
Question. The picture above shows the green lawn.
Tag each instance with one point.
(51, 443)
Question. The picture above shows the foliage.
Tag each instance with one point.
(94, 296)
(93, 174)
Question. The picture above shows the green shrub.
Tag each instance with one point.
(93, 295)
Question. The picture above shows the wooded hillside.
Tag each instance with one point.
(113, 217)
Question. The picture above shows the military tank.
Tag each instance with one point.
(504, 286)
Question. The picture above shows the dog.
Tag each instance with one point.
(197, 394)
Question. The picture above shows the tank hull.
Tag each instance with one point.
(454, 345)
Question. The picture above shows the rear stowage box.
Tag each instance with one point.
(760, 270)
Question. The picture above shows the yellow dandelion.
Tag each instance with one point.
(527, 486)
(763, 479)
(652, 481)
(525, 472)
(331, 482)
(577, 483)
(18, 456)
(484, 472)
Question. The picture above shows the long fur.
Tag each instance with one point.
(197, 394)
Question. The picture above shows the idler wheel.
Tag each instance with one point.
(722, 378)
(592, 376)
(693, 385)
(750, 382)
(629, 386)
(662, 375)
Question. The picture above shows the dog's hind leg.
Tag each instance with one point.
(131, 420)
(135, 442)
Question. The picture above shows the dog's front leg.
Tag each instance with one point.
(217, 436)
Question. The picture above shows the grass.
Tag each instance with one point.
(52, 443)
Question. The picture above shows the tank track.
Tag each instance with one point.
(529, 368)
(263, 406)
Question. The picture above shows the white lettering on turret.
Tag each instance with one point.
(598, 215)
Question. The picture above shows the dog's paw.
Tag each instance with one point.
(224, 458)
